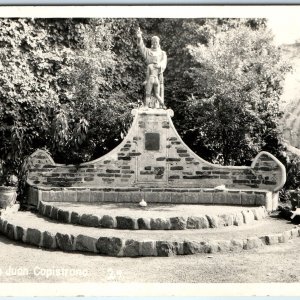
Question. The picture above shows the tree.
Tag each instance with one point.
(51, 74)
(235, 86)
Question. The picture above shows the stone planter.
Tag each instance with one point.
(8, 196)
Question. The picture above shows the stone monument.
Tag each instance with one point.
(156, 60)
(153, 163)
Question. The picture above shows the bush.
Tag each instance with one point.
(289, 192)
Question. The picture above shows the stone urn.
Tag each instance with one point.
(8, 196)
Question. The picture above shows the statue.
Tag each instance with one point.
(156, 60)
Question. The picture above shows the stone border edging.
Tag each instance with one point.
(173, 223)
(114, 246)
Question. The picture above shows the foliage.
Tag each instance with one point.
(6, 178)
(233, 110)
(292, 165)
(53, 74)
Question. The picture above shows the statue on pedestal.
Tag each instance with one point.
(156, 60)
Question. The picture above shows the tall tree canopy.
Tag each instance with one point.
(68, 85)
(236, 82)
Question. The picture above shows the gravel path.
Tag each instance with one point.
(276, 263)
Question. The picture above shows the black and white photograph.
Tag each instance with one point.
(150, 145)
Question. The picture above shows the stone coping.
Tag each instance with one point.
(156, 195)
(123, 247)
(148, 189)
(178, 222)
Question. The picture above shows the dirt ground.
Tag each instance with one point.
(150, 211)
(25, 264)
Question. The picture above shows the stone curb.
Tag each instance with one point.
(122, 247)
(247, 216)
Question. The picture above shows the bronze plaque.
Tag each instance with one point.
(152, 141)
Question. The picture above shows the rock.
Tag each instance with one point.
(165, 248)
(262, 211)
(131, 248)
(263, 240)
(224, 246)
(89, 220)
(179, 248)
(214, 221)
(197, 222)
(178, 223)
(85, 243)
(227, 220)
(109, 245)
(10, 231)
(285, 236)
(148, 248)
(236, 245)
(160, 224)
(294, 233)
(266, 213)
(33, 236)
(259, 213)
(47, 211)
(75, 218)
(248, 216)
(41, 208)
(20, 233)
(238, 219)
(210, 247)
(252, 242)
(143, 223)
(49, 240)
(63, 216)
(3, 226)
(65, 242)
(192, 247)
(126, 223)
(108, 222)
(272, 239)
(54, 213)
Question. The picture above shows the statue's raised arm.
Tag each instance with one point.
(156, 60)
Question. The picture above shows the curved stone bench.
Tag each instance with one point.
(246, 216)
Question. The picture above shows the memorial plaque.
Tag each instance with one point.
(152, 141)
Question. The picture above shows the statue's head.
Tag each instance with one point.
(155, 43)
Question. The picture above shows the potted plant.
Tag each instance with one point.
(8, 185)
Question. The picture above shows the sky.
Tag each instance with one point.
(285, 28)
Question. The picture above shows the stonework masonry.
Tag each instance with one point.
(154, 163)
(123, 247)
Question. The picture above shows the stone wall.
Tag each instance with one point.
(153, 156)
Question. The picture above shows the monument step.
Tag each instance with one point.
(208, 196)
(32, 229)
(152, 217)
